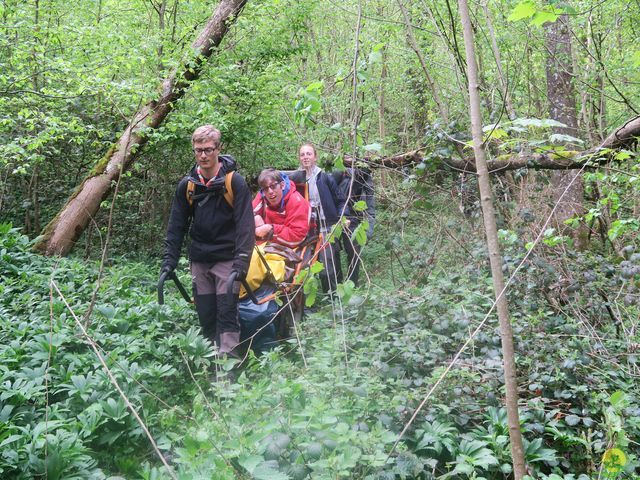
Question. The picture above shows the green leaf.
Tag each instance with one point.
(317, 267)
(375, 56)
(617, 398)
(361, 234)
(561, 138)
(345, 290)
(572, 420)
(523, 10)
(537, 122)
(543, 16)
(336, 231)
(266, 472)
(250, 462)
(372, 147)
(360, 206)
(635, 59)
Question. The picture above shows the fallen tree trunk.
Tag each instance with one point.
(624, 136)
(63, 231)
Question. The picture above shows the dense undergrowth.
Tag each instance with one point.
(332, 406)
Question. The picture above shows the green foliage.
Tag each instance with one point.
(538, 16)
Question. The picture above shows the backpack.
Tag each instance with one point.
(228, 190)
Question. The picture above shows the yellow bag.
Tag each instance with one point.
(257, 272)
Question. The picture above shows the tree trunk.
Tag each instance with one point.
(381, 113)
(64, 230)
(511, 112)
(442, 109)
(495, 257)
(625, 136)
(562, 107)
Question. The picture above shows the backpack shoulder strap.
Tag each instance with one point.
(191, 188)
(228, 189)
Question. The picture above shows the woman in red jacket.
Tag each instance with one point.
(282, 215)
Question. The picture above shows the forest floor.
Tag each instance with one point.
(333, 402)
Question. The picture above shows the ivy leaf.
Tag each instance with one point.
(523, 10)
(572, 420)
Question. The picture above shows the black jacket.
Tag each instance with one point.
(218, 231)
(361, 189)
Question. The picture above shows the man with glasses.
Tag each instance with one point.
(222, 235)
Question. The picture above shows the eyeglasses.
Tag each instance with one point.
(206, 151)
(274, 186)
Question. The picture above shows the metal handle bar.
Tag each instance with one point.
(172, 275)
(250, 293)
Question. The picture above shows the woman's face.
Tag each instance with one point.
(307, 157)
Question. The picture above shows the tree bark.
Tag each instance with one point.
(625, 136)
(568, 186)
(495, 257)
(64, 230)
(444, 113)
(511, 112)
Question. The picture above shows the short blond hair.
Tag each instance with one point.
(204, 133)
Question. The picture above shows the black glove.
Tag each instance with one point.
(167, 268)
(240, 268)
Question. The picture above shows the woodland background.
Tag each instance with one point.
(384, 78)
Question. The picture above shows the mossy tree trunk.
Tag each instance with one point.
(495, 256)
(59, 237)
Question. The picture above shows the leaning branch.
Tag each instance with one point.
(625, 136)
(63, 231)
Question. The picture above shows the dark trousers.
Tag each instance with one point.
(352, 250)
(217, 311)
(332, 273)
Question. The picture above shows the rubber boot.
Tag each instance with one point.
(228, 343)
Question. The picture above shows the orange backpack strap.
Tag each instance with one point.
(228, 189)
(191, 188)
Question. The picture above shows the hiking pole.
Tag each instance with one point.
(172, 275)
(250, 293)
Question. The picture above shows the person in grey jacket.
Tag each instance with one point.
(328, 203)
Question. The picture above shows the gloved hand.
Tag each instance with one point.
(241, 270)
(167, 268)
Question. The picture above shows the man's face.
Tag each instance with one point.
(307, 157)
(273, 192)
(206, 153)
